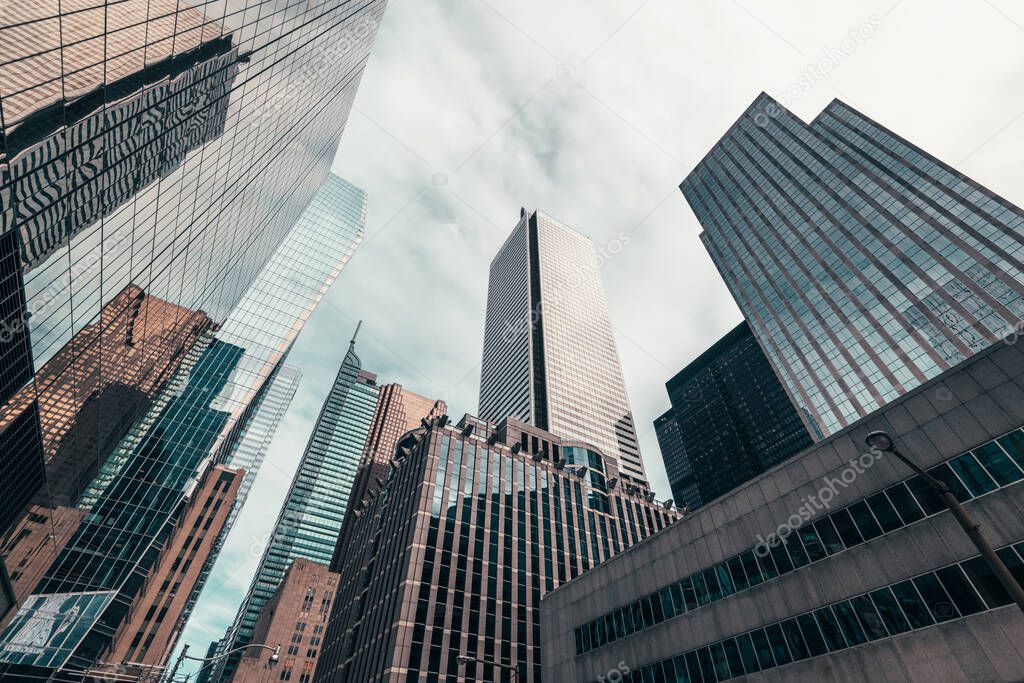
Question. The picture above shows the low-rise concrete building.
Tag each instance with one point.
(874, 580)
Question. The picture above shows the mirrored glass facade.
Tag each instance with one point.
(311, 518)
(864, 265)
(549, 353)
(154, 154)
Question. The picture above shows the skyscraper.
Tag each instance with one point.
(549, 355)
(311, 516)
(678, 467)
(732, 419)
(476, 521)
(864, 265)
(166, 146)
(398, 411)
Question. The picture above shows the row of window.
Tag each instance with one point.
(995, 464)
(951, 592)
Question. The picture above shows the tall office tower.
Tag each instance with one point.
(168, 145)
(295, 618)
(310, 518)
(733, 417)
(149, 633)
(398, 411)
(549, 353)
(677, 463)
(864, 265)
(475, 523)
(94, 580)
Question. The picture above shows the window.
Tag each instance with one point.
(865, 521)
(812, 636)
(925, 495)
(732, 656)
(719, 661)
(830, 629)
(935, 597)
(974, 477)
(750, 568)
(846, 528)
(747, 653)
(778, 644)
(998, 464)
(689, 594)
(889, 610)
(913, 607)
(826, 531)
(959, 588)
(885, 513)
(944, 473)
(992, 592)
(763, 648)
(812, 544)
(1013, 444)
(869, 619)
(849, 624)
(904, 503)
(797, 644)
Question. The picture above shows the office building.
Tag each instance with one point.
(398, 411)
(677, 463)
(549, 355)
(162, 145)
(864, 265)
(295, 619)
(733, 418)
(475, 522)
(838, 565)
(151, 629)
(311, 517)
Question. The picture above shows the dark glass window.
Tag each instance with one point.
(959, 588)
(912, 604)
(974, 477)
(1013, 444)
(866, 522)
(767, 564)
(992, 592)
(885, 513)
(747, 653)
(667, 606)
(739, 577)
(812, 636)
(720, 663)
(797, 645)
(700, 589)
(679, 665)
(1013, 563)
(925, 495)
(711, 581)
(724, 580)
(781, 558)
(849, 624)
(812, 544)
(998, 465)
(890, 611)
(846, 528)
(829, 536)
(693, 667)
(869, 619)
(763, 648)
(904, 503)
(657, 615)
(778, 643)
(796, 550)
(689, 595)
(935, 597)
(944, 473)
(706, 666)
(750, 568)
(732, 656)
(830, 629)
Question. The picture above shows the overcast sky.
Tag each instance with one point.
(594, 111)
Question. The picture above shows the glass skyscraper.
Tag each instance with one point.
(311, 518)
(732, 420)
(549, 355)
(864, 265)
(153, 156)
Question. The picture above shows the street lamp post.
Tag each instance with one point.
(274, 656)
(883, 442)
(514, 668)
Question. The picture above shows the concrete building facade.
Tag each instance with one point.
(874, 579)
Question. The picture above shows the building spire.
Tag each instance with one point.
(352, 343)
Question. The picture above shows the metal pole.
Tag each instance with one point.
(973, 531)
(177, 663)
